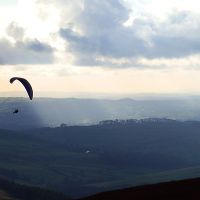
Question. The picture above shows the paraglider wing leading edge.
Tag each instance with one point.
(26, 85)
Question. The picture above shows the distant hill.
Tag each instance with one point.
(52, 112)
(177, 190)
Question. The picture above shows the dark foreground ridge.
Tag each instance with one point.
(176, 190)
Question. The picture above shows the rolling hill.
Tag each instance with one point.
(121, 154)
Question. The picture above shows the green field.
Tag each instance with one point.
(29, 160)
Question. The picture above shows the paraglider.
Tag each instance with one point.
(26, 85)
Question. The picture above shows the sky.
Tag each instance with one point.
(121, 47)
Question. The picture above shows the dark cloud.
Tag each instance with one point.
(26, 52)
(118, 44)
(38, 46)
(101, 33)
(173, 47)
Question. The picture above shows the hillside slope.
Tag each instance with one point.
(13, 191)
(177, 190)
(120, 155)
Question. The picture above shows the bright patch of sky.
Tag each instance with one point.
(8, 2)
(161, 7)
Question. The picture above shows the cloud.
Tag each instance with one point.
(98, 30)
(15, 31)
(37, 46)
(25, 52)
(96, 33)
(101, 33)
(18, 48)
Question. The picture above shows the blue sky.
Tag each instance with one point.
(107, 46)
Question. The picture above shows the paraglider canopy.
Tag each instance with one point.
(88, 151)
(26, 85)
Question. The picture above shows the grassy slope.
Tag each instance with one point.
(56, 158)
(13, 191)
(180, 140)
(30, 160)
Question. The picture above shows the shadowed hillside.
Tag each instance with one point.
(83, 160)
(177, 190)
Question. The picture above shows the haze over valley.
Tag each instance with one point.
(52, 112)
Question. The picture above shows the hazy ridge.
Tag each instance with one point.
(52, 112)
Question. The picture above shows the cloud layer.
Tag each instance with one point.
(97, 34)
(30, 52)
(102, 33)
